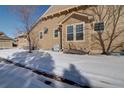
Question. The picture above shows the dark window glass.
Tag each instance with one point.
(69, 37)
(41, 35)
(99, 26)
(69, 29)
(45, 30)
(79, 32)
(56, 33)
(79, 28)
(79, 36)
(69, 33)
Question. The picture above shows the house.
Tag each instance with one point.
(69, 27)
(5, 41)
(21, 40)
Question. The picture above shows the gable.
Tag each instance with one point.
(78, 16)
(58, 10)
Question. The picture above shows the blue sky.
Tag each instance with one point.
(9, 22)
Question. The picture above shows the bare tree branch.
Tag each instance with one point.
(25, 14)
(116, 47)
(110, 15)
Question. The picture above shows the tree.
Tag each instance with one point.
(25, 14)
(17, 32)
(113, 26)
(34, 40)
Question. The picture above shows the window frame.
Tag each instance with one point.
(98, 26)
(54, 34)
(40, 35)
(74, 32)
(83, 31)
(67, 33)
(94, 26)
(44, 30)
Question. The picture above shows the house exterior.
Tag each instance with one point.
(21, 40)
(5, 41)
(67, 27)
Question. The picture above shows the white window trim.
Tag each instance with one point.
(83, 31)
(94, 26)
(74, 32)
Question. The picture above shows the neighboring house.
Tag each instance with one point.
(66, 26)
(5, 41)
(21, 40)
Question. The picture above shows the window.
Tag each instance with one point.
(99, 26)
(75, 32)
(56, 33)
(45, 30)
(79, 32)
(70, 33)
(41, 35)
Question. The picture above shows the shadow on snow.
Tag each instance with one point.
(38, 60)
(43, 61)
(74, 75)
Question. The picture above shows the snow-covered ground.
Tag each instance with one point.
(95, 71)
(12, 76)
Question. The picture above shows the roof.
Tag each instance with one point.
(54, 9)
(4, 37)
(23, 34)
(1, 33)
(57, 8)
(87, 16)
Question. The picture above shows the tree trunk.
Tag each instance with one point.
(101, 43)
(29, 46)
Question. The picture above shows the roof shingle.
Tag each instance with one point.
(56, 8)
(4, 37)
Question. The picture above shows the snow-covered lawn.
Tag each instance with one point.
(95, 71)
(12, 76)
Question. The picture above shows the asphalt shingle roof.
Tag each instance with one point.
(4, 37)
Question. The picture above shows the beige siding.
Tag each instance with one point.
(119, 39)
(48, 41)
(5, 43)
(22, 42)
(83, 44)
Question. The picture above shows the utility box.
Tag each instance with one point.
(56, 47)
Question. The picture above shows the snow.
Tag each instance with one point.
(12, 76)
(16, 77)
(94, 71)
